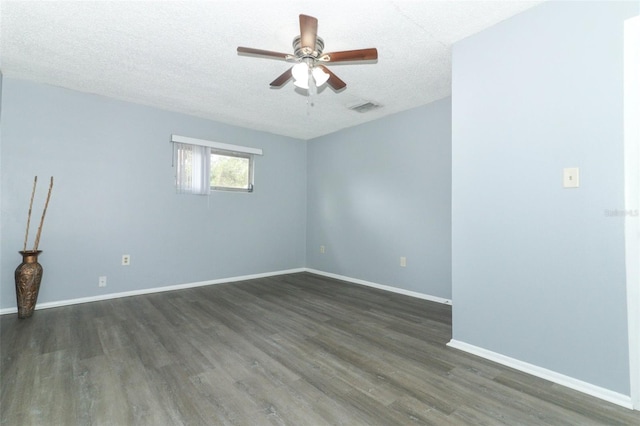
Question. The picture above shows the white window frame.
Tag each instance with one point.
(222, 149)
(236, 154)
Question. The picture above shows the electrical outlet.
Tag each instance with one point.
(322, 249)
(403, 261)
(571, 177)
(102, 281)
(126, 260)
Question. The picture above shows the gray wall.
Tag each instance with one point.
(538, 270)
(380, 191)
(114, 194)
(1, 227)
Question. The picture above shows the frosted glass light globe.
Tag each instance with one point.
(300, 74)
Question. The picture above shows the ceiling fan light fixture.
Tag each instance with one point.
(300, 74)
(310, 72)
(320, 76)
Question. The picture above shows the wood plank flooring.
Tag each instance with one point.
(296, 349)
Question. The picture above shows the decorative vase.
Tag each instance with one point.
(28, 277)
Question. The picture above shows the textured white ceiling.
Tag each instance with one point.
(181, 55)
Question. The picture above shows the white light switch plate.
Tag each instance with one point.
(571, 177)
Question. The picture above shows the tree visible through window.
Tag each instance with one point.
(231, 170)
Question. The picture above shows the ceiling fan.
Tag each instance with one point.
(310, 71)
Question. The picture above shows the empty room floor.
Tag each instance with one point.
(296, 349)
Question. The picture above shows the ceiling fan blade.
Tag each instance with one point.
(333, 81)
(260, 52)
(351, 55)
(282, 79)
(308, 32)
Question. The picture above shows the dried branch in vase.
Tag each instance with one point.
(44, 212)
(33, 192)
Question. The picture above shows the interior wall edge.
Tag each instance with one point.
(632, 195)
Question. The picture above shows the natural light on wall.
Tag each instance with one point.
(202, 166)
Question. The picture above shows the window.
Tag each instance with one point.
(231, 171)
(202, 166)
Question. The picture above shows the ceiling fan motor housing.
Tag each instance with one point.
(304, 52)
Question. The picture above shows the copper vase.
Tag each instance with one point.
(28, 277)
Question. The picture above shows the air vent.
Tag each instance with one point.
(365, 106)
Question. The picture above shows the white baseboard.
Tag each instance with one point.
(89, 299)
(382, 287)
(59, 303)
(561, 379)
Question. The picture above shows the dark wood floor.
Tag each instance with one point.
(296, 349)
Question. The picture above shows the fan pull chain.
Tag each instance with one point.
(311, 92)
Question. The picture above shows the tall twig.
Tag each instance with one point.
(44, 212)
(33, 192)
